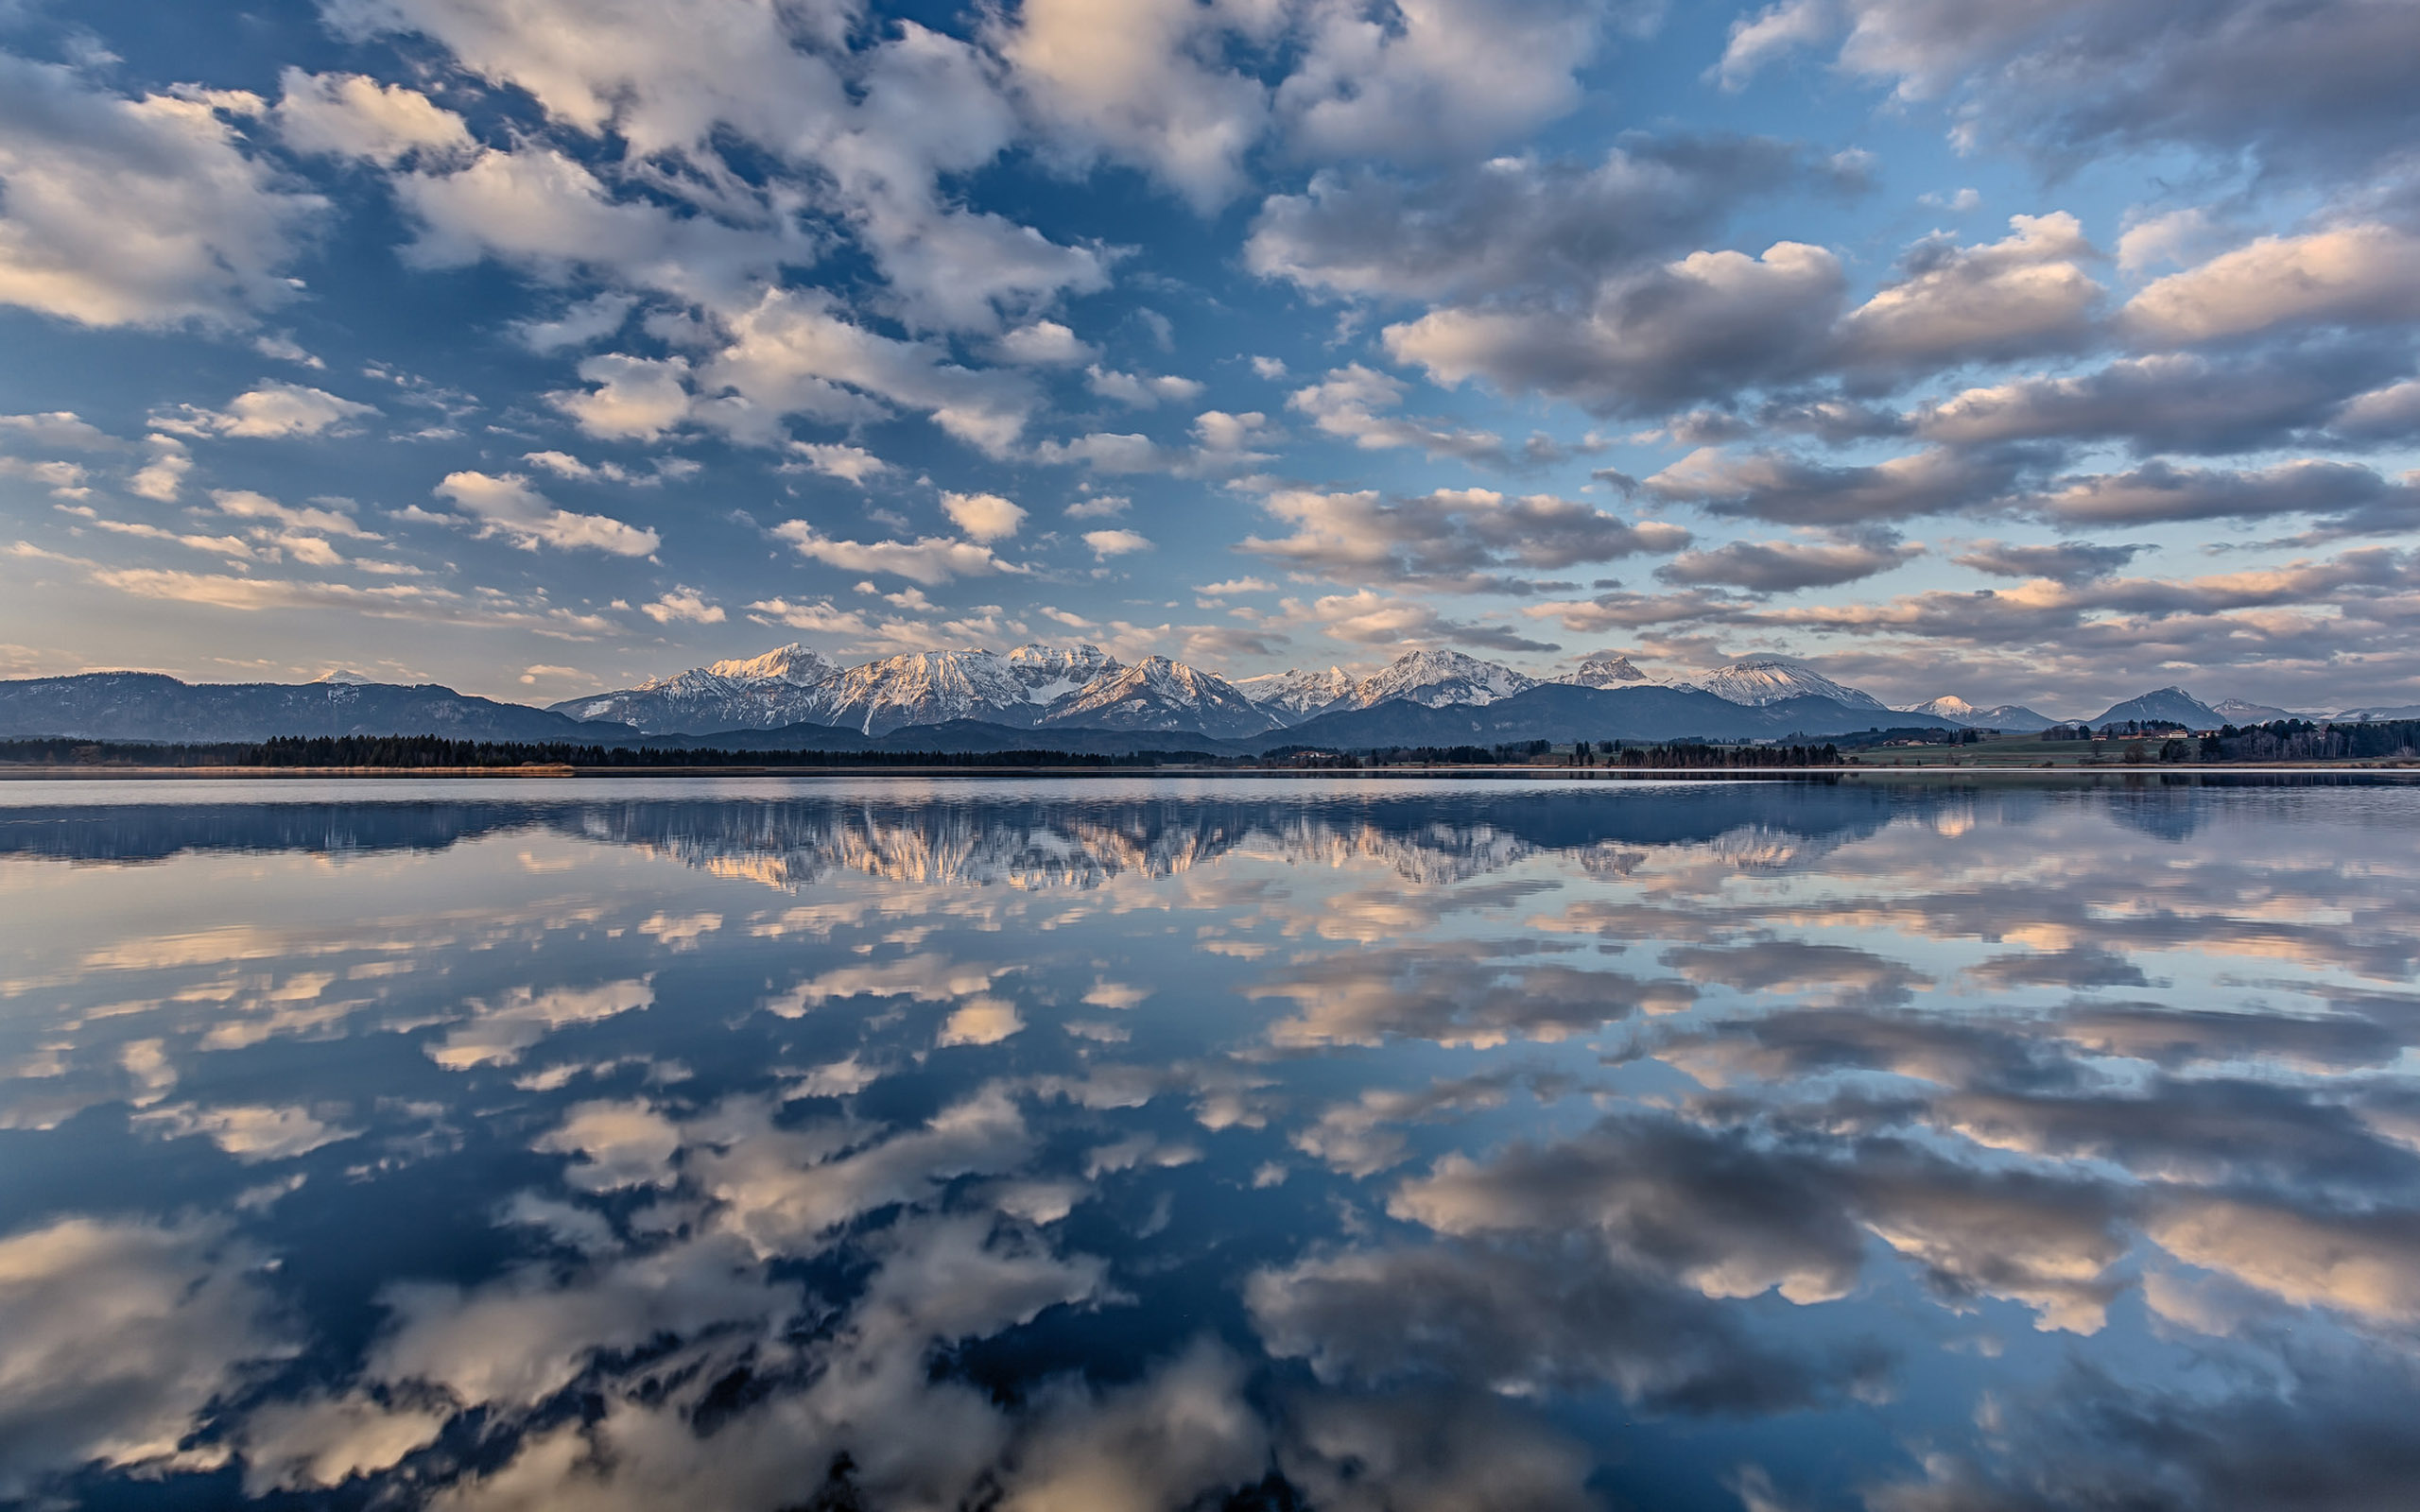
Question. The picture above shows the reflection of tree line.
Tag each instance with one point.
(1061, 841)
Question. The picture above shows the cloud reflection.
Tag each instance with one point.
(1344, 1145)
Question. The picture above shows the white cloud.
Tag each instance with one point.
(163, 476)
(1100, 507)
(1347, 405)
(632, 398)
(268, 411)
(791, 355)
(1435, 78)
(1140, 390)
(136, 211)
(509, 507)
(116, 1336)
(57, 429)
(1126, 79)
(2348, 275)
(982, 516)
(246, 505)
(1108, 544)
(931, 560)
(851, 464)
(1450, 539)
(1045, 344)
(351, 115)
(683, 604)
(1758, 40)
(2023, 294)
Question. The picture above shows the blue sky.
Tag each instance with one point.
(2038, 352)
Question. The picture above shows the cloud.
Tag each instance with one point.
(1698, 328)
(1108, 544)
(1452, 541)
(2310, 88)
(1782, 566)
(2388, 414)
(629, 398)
(929, 560)
(353, 115)
(120, 1335)
(1758, 40)
(1369, 618)
(2349, 275)
(1043, 344)
(1140, 391)
(2342, 492)
(1127, 80)
(790, 353)
(509, 506)
(2023, 295)
(270, 411)
(137, 212)
(984, 517)
(1787, 490)
(1434, 81)
(59, 430)
(1515, 228)
(682, 605)
(246, 505)
(163, 477)
(2172, 402)
(2065, 562)
(1347, 405)
(851, 464)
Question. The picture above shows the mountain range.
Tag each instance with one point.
(1076, 697)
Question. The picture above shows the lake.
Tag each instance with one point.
(1984, 1143)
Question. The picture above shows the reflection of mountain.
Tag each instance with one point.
(152, 832)
(1020, 841)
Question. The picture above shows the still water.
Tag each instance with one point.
(1105, 1145)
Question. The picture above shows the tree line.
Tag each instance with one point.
(408, 752)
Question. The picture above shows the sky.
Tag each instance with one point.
(2042, 352)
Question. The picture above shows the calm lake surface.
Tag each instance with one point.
(1100, 1145)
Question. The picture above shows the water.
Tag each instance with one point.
(1104, 1145)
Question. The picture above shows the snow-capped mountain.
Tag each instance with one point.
(1296, 695)
(781, 687)
(1435, 679)
(1605, 669)
(1158, 693)
(1051, 672)
(1438, 679)
(1763, 680)
(2014, 716)
(927, 688)
(2242, 712)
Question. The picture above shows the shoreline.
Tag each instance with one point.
(559, 773)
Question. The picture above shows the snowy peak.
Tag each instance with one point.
(2243, 712)
(1605, 669)
(926, 688)
(1948, 706)
(1296, 695)
(1438, 679)
(1159, 694)
(797, 665)
(1999, 716)
(1049, 672)
(1764, 681)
